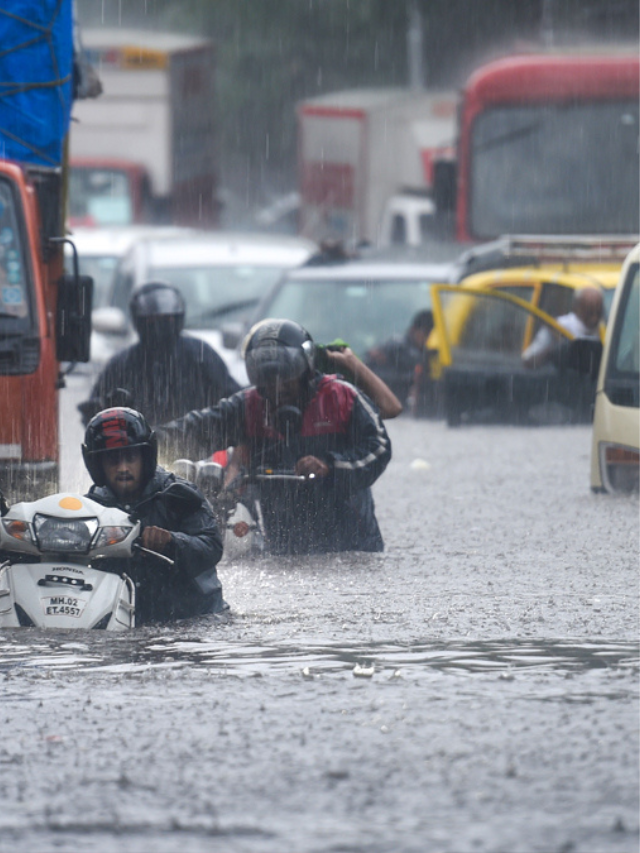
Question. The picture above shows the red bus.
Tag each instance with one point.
(548, 144)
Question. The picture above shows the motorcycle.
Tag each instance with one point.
(235, 499)
(50, 574)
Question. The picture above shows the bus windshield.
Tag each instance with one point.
(15, 292)
(562, 169)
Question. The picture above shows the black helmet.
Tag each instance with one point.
(278, 348)
(157, 300)
(114, 429)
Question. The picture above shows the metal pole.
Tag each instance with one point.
(415, 46)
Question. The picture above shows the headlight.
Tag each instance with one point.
(111, 535)
(620, 467)
(64, 535)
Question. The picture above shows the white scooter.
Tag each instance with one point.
(50, 576)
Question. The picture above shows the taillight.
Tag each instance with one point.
(620, 467)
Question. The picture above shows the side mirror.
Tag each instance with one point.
(445, 179)
(231, 334)
(210, 477)
(73, 318)
(185, 469)
(109, 321)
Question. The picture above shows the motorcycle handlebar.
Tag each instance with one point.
(138, 547)
(271, 474)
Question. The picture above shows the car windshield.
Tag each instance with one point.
(217, 294)
(15, 290)
(607, 299)
(570, 169)
(624, 361)
(365, 313)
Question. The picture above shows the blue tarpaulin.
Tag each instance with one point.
(36, 69)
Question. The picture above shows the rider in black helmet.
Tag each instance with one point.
(120, 452)
(157, 312)
(294, 417)
(166, 373)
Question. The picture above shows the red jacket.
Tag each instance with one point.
(339, 425)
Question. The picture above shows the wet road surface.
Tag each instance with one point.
(474, 688)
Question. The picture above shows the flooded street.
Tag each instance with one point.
(473, 688)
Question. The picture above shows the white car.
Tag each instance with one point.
(615, 448)
(99, 250)
(222, 276)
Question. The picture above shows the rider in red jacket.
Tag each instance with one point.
(297, 419)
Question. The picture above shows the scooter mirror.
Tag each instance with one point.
(210, 477)
(186, 469)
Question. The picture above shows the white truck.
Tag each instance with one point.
(366, 159)
(145, 149)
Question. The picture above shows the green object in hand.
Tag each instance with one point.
(324, 363)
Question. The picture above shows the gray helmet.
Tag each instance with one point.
(278, 349)
(157, 299)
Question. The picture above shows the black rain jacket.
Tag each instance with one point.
(163, 383)
(339, 425)
(191, 587)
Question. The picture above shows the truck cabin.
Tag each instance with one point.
(104, 193)
(547, 144)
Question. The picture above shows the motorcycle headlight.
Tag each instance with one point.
(64, 535)
(111, 535)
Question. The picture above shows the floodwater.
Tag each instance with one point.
(474, 688)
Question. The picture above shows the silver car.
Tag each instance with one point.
(363, 302)
(222, 276)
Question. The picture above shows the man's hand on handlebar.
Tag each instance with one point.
(156, 539)
(311, 465)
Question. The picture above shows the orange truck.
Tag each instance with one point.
(44, 315)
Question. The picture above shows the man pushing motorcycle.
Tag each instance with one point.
(120, 452)
(295, 419)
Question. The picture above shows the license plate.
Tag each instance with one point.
(63, 605)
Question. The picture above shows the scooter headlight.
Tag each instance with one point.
(111, 535)
(64, 535)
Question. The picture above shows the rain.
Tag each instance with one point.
(472, 687)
